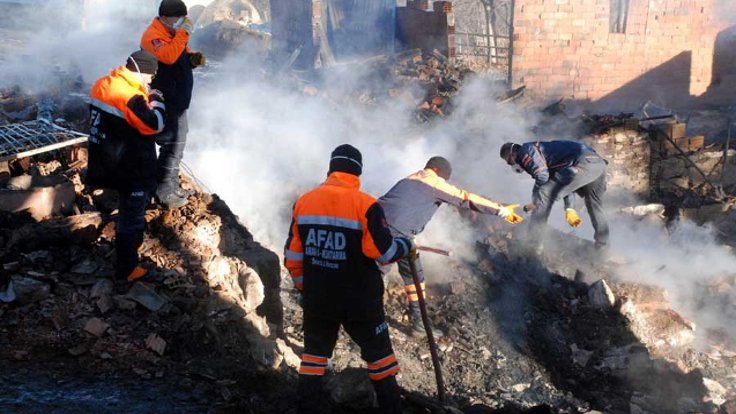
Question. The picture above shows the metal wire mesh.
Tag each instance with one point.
(34, 137)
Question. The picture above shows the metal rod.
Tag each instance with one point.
(652, 118)
(687, 158)
(434, 250)
(511, 44)
(725, 151)
(41, 150)
(430, 336)
(480, 35)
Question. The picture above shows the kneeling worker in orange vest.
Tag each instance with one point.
(125, 118)
(337, 235)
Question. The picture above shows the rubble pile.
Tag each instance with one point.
(65, 102)
(656, 160)
(555, 333)
(525, 334)
(432, 73)
(425, 83)
(212, 300)
(633, 352)
(629, 156)
(219, 321)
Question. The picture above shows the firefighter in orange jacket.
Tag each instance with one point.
(167, 38)
(125, 117)
(337, 235)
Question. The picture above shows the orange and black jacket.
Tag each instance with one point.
(411, 203)
(174, 77)
(123, 123)
(337, 235)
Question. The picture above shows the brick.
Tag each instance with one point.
(572, 40)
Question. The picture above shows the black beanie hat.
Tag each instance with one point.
(172, 8)
(142, 62)
(441, 166)
(346, 158)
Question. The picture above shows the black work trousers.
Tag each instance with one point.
(171, 141)
(129, 230)
(587, 179)
(320, 337)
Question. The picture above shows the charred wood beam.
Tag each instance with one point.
(80, 229)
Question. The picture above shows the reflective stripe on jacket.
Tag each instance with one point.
(122, 151)
(336, 236)
(174, 77)
(411, 203)
(123, 95)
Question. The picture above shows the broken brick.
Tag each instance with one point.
(96, 327)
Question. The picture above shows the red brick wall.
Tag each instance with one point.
(563, 48)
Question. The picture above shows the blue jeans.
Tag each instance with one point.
(587, 179)
(171, 141)
(129, 231)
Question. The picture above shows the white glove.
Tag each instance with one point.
(184, 23)
(507, 213)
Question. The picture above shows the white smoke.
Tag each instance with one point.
(726, 11)
(89, 39)
(259, 145)
(684, 263)
(259, 142)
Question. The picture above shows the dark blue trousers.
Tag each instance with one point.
(129, 231)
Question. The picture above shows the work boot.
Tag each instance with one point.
(418, 331)
(388, 395)
(172, 200)
(417, 326)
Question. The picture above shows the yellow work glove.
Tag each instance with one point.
(197, 59)
(572, 217)
(507, 213)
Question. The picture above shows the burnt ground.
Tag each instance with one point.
(520, 328)
(519, 332)
(210, 307)
(519, 335)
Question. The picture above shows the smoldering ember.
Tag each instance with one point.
(622, 300)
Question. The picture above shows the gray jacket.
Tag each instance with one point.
(411, 203)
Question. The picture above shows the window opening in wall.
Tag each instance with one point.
(619, 16)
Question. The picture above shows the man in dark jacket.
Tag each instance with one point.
(337, 234)
(562, 169)
(167, 38)
(125, 118)
(411, 203)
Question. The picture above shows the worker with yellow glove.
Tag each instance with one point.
(562, 169)
(410, 204)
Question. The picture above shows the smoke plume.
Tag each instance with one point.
(259, 141)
